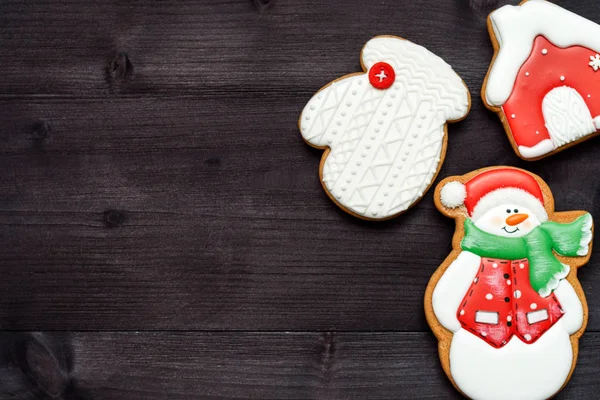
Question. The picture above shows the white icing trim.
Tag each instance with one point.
(544, 147)
(597, 122)
(453, 194)
(451, 288)
(570, 303)
(554, 281)
(516, 28)
(509, 196)
(533, 317)
(584, 244)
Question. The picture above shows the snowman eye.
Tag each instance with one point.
(508, 211)
(516, 211)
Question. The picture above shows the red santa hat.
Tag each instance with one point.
(493, 188)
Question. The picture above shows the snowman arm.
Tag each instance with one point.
(452, 287)
(572, 320)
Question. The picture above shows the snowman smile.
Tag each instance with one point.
(507, 231)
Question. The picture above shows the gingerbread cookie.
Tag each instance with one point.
(506, 305)
(384, 130)
(544, 80)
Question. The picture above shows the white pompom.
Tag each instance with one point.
(453, 194)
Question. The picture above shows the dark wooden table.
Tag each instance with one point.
(163, 231)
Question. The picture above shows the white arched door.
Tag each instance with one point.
(567, 116)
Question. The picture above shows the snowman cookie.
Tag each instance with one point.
(544, 79)
(506, 305)
(384, 130)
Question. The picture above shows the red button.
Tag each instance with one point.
(382, 75)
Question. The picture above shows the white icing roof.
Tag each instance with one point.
(516, 27)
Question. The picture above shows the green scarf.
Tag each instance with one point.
(545, 271)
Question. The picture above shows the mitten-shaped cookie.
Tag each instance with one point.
(384, 130)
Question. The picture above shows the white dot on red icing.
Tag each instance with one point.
(475, 280)
(483, 334)
(544, 51)
(537, 133)
(589, 95)
(495, 265)
(462, 312)
(533, 306)
(562, 78)
(489, 296)
(526, 73)
(508, 282)
(517, 294)
(521, 265)
(509, 318)
(513, 116)
(527, 337)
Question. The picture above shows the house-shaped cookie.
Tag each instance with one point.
(384, 130)
(544, 80)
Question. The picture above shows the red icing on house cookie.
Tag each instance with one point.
(544, 80)
(551, 68)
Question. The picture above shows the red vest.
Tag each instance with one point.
(501, 303)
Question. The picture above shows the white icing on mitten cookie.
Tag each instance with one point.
(386, 128)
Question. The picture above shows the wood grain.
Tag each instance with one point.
(217, 224)
(154, 187)
(229, 365)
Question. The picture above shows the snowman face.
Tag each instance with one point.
(508, 220)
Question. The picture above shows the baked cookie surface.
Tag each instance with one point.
(384, 130)
(544, 80)
(506, 304)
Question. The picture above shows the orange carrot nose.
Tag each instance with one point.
(516, 219)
